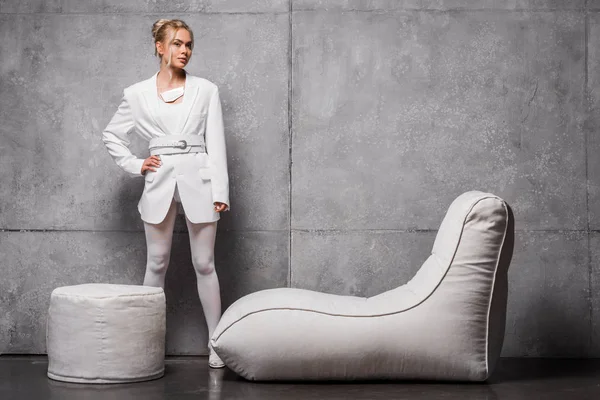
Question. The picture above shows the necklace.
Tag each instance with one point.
(170, 96)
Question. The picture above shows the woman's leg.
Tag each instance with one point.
(158, 242)
(202, 244)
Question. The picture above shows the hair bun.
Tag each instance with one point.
(157, 25)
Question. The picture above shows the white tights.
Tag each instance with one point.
(202, 243)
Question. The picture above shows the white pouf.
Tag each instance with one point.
(106, 333)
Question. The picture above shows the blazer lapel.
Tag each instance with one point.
(189, 99)
(151, 96)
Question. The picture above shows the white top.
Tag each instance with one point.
(171, 114)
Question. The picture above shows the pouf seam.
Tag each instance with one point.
(102, 324)
(106, 297)
(139, 378)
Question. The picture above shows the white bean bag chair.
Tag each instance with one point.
(106, 333)
(447, 323)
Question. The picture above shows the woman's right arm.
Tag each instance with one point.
(116, 138)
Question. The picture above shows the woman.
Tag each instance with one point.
(180, 115)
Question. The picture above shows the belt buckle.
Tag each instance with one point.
(183, 144)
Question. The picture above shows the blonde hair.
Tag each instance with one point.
(160, 29)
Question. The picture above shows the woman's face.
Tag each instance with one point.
(181, 49)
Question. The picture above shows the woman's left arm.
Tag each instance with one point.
(217, 154)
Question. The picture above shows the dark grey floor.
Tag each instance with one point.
(23, 377)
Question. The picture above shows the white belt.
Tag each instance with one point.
(177, 144)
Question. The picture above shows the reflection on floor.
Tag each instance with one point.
(24, 377)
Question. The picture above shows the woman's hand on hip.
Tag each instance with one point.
(152, 161)
(220, 206)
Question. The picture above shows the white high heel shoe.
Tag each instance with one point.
(214, 361)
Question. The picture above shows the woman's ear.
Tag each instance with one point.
(159, 49)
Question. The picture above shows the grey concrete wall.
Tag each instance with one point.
(351, 126)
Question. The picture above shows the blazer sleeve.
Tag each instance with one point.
(215, 147)
(116, 138)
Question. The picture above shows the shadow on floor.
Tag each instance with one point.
(190, 378)
(530, 369)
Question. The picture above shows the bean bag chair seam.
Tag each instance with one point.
(386, 314)
(487, 323)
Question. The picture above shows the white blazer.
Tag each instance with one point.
(201, 178)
